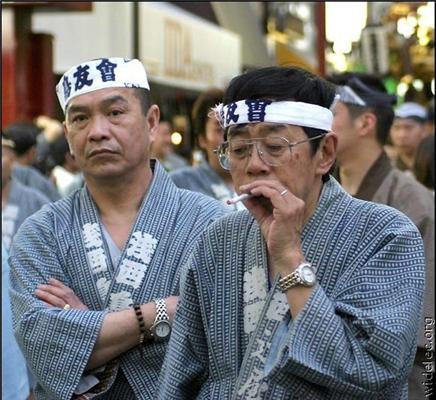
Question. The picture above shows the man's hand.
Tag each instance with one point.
(56, 294)
(280, 215)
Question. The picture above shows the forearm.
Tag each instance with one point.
(119, 333)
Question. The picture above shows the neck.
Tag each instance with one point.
(312, 200)
(408, 157)
(119, 198)
(354, 168)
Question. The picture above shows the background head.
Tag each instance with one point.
(8, 158)
(409, 127)
(207, 130)
(366, 94)
(24, 135)
(161, 145)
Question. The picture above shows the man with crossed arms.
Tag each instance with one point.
(94, 276)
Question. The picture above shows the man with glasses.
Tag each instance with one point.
(309, 293)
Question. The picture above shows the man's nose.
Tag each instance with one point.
(98, 129)
(255, 162)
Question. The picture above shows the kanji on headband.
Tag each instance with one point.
(100, 74)
(287, 112)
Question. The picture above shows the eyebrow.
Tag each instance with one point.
(105, 103)
(237, 130)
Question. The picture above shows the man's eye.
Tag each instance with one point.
(275, 148)
(239, 149)
(78, 118)
(115, 113)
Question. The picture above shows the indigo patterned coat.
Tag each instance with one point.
(233, 336)
(64, 241)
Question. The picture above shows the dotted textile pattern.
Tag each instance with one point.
(57, 343)
(355, 337)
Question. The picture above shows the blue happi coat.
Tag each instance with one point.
(64, 241)
(233, 335)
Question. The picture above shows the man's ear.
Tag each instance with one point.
(367, 123)
(153, 117)
(327, 153)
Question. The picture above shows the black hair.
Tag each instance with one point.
(144, 97)
(284, 84)
(57, 152)
(201, 109)
(430, 111)
(372, 90)
(23, 134)
(423, 167)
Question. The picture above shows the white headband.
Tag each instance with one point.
(100, 74)
(287, 112)
(410, 110)
(349, 96)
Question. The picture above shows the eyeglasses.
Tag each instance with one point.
(272, 150)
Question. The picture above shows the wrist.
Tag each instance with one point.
(288, 263)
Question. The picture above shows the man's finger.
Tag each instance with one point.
(55, 282)
(49, 298)
(56, 291)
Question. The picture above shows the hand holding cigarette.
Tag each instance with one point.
(239, 198)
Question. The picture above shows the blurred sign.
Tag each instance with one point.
(183, 50)
(178, 48)
(375, 49)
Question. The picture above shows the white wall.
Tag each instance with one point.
(81, 36)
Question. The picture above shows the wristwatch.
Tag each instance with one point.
(161, 327)
(304, 275)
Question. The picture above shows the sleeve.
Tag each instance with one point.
(15, 382)
(185, 366)
(361, 340)
(56, 343)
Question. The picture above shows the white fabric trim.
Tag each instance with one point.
(287, 112)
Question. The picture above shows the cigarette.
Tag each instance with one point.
(239, 198)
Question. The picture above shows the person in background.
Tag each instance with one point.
(207, 177)
(423, 167)
(15, 384)
(362, 120)
(407, 132)
(429, 124)
(309, 293)
(18, 201)
(51, 129)
(24, 135)
(95, 275)
(162, 148)
(65, 171)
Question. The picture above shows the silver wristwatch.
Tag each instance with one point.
(304, 275)
(161, 328)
